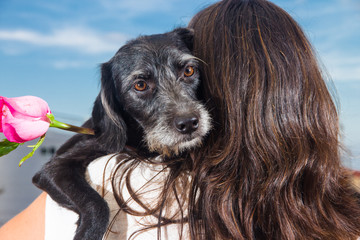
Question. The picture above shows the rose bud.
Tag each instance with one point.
(23, 118)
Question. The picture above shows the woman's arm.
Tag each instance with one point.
(27, 225)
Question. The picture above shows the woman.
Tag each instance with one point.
(270, 168)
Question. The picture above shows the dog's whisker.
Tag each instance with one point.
(200, 60)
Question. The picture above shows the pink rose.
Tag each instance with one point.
(23, 118)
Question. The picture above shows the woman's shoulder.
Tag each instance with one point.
(100, 169)
(104, 171)
(124, 175)
(60, 223)
(106, 175)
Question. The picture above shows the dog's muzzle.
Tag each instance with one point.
(183, 132)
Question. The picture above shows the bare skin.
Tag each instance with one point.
(28, 224)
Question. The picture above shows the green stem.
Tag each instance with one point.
(68, 127)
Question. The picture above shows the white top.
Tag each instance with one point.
(60, 223)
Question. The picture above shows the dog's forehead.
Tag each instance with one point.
(152, 52)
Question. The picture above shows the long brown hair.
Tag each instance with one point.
(270, 169)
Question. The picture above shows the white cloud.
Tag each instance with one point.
(66, 64)
(351, 3)
(141, 6)
(78, 39)
(342, 67)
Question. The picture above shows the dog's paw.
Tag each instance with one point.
(91, 231)
(93, 224)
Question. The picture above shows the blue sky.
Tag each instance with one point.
(52, 49)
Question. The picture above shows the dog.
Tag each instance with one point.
(148, 101)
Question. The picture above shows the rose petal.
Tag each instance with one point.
(1, 112)
(25, 131)
(27, 105)
(22, 130)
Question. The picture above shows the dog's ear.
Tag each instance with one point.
(109, 126)
(187, 36)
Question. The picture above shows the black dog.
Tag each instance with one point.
(147, 101)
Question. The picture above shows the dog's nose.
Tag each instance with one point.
(186, 125)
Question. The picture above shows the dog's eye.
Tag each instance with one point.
(140, 86)
(189, 71)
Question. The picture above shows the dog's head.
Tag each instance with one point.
(152, 81)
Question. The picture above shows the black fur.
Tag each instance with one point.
(124, 116)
